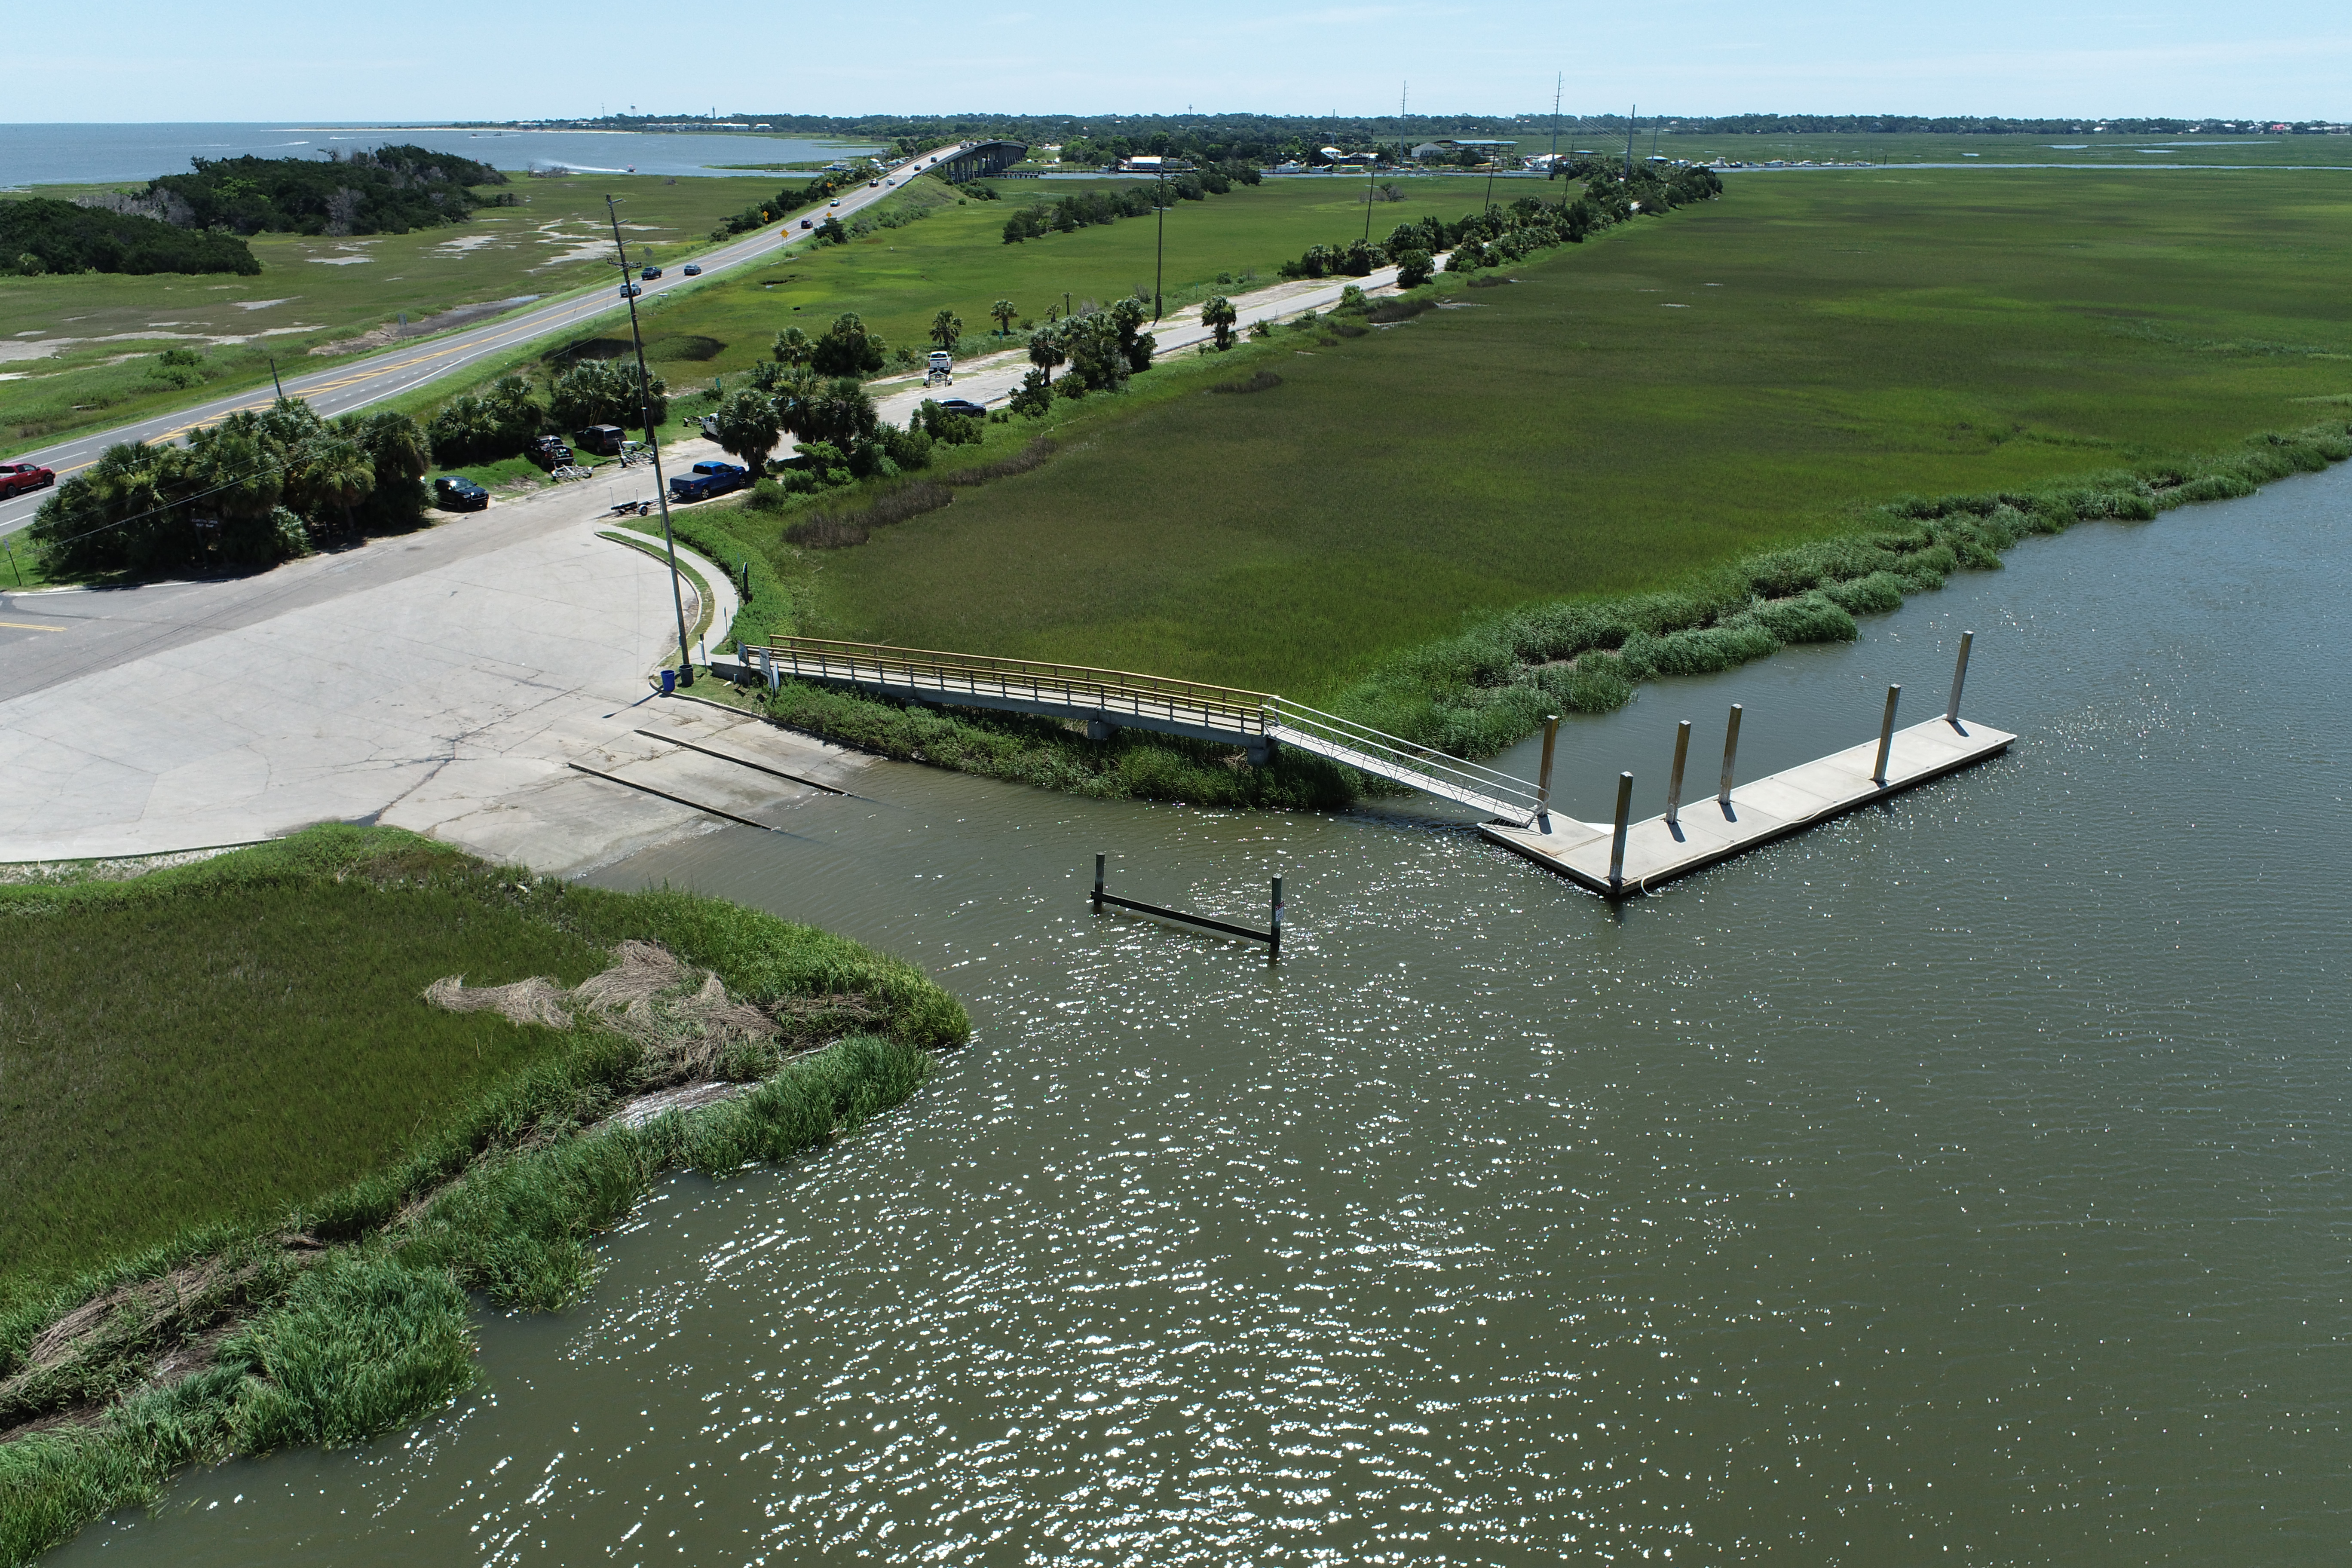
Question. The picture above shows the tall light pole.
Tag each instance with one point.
(646, 409)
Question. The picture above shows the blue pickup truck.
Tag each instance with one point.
(708, 480)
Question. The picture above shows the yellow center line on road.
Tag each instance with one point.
(28, 626)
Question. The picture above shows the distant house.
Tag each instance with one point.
(1454, 147)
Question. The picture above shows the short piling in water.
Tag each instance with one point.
(1272, 936)
(1674, 779)
(1959, 678)
(1730, 755)
(1624, 820)
(1885, 737)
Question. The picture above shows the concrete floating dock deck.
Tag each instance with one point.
(1714, 829)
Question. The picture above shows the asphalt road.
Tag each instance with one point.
(361, 381)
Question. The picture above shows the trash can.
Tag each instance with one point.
(670, 682)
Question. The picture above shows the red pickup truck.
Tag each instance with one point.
(16, 478)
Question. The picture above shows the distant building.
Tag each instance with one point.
(1454, 147)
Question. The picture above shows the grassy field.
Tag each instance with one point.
(80, 351)
(1671, 396)
(898, 279)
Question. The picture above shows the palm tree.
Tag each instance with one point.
(338, 474)
(792, 346)
(1003, 311)
(1219, 314)
(1045, 351)
(946, 328)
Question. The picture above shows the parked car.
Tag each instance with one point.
(650, 273)
(16, 478)
(455, 492)
(549, 452)
(630, 290)
(604, 440)
(965, 407)
(708, 480)
(693, 270)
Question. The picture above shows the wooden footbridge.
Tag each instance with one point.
(1614, 859)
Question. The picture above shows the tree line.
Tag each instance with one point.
(391, 190)
(39, 235)
(1502, 235)
(252, 489)
(1073, 212)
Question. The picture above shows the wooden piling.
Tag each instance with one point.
(1098, 884)
(1959, 678)
(1624, 820)
(1543, 777)
(1885, 737)
(1730, 753)
(1274, 941)
(1675, 780)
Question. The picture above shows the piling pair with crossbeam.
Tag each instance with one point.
(1744, 816)
(1271, 936)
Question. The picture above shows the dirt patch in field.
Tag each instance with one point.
(424, 326)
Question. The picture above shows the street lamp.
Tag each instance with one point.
(661, 490)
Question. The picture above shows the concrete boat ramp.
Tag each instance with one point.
(1751, 814)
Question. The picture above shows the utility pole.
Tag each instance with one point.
(661, 489)
(1561, 81)
(274, 381)
(1629, 139)
(1160, 250)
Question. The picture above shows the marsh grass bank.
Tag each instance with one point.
(258, 1322)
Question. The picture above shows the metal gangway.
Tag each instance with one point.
(1112, 700)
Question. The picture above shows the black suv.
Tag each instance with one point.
(455, 492)
(549, 452)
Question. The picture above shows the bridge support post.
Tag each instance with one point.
(1543, 774)
(1624, 818)
(1100, 728)
(1261, 750)
(1885, 737)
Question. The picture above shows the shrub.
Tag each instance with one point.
(1260, 380)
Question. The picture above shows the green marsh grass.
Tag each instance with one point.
(1840, 338)
(331, 1318)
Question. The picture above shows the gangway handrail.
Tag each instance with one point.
(1072, 684)
(1192, 706)
(1412, 754)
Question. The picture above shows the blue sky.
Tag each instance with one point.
(419, 59)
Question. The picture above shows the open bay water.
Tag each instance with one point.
(1965, 1181)
(78, 154)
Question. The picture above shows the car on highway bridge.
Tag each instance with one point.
(16, 478)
